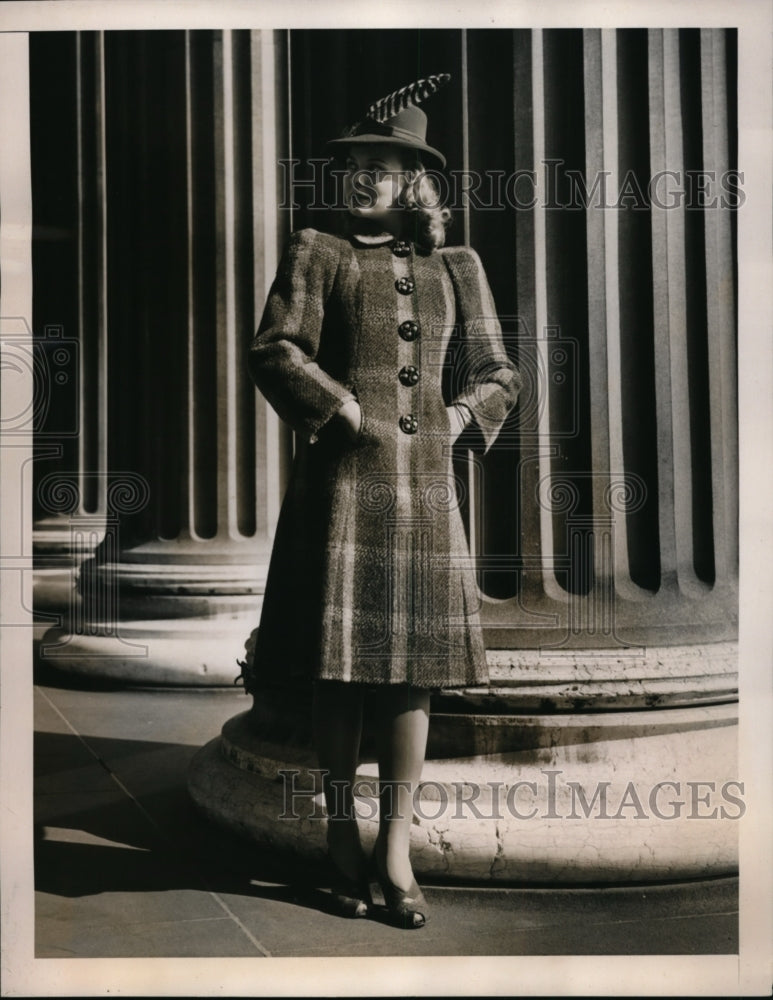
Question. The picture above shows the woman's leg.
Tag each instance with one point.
(337, 732)
(402, 723)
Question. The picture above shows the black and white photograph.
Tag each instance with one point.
(386, 463)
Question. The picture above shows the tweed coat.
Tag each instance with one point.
(370, 578)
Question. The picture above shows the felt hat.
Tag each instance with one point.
(398, 120)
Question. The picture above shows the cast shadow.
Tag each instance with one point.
(153, 836)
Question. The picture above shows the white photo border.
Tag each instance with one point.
(749, 973)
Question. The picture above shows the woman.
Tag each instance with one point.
(379, 347)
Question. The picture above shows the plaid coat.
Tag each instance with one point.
(370, 578)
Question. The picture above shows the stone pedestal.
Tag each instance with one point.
(176, 619)
(529, 787)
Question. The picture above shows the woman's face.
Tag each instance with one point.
(375, 176)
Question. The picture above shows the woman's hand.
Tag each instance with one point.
(457, 420)
(350, 415)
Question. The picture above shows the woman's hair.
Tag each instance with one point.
(421, 198)
(426, 218)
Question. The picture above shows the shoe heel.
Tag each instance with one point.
(350, 897)
(374, 884)
(406, 908)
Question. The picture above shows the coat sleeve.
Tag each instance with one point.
(283, 352)
(484, 380)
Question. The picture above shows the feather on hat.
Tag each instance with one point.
(397, 119)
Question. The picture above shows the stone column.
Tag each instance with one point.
(606, 516)
(67, 125)
(191, 240)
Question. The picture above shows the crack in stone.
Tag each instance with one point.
(498, 862)
(436, 838)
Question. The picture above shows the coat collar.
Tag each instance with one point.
(367, 232)
(372, 241)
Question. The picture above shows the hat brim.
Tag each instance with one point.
(388, 140)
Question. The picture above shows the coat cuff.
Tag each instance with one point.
(465, 414)
(488, 404)
(317, 427)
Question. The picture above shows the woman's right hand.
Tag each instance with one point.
(351, 416)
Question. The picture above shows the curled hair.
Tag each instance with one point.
(428, 217)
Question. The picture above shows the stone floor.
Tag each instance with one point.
(126, 867)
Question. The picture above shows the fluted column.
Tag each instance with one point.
(191, 238)
(67, 126)
(614, 420)
(604, 518)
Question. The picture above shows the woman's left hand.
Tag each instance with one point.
(351, 416)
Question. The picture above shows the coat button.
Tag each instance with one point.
(400, 248)
(409, 375)
(409, 424)
(408, 330)
(404, 285)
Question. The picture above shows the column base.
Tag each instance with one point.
(57, 559)
(612, 797)
(200, 651)
(174, 612)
